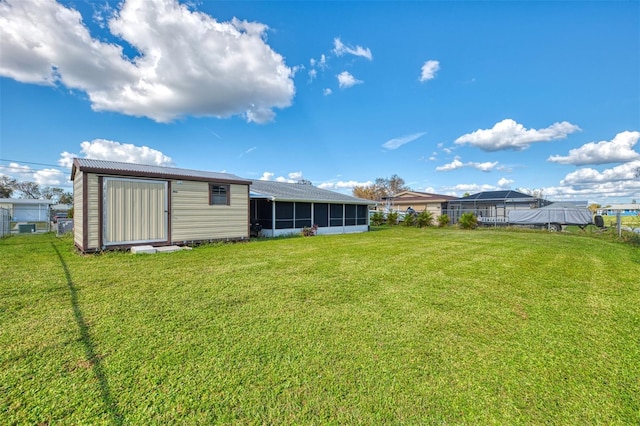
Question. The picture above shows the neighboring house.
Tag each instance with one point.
(420, 201)
(119, 205)
(493, 206)
(286, 208)
(27, 210)
(623, 209)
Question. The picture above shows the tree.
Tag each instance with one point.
(30, 190)
(6, 186)
(593, 207)
(57, 195)
(535, 193)
(381, 188)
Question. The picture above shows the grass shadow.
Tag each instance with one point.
(89, 347)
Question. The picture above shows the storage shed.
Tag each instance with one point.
(286, 208)
(120, 205)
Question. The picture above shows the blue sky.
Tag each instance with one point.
(454, 97)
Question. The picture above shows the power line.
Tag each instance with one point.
(30, 162)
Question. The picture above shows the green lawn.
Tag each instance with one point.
(395, 326)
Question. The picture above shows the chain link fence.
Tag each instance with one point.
(5, 222)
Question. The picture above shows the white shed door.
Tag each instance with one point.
(134, 211)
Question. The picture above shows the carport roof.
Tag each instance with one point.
(496, 196)
(282, 191)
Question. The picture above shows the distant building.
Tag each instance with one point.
(623, 209)
(27, 210)
(493, 206)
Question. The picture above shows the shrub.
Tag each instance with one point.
(70, 213)
(425, 218)
(443, 220)
(410, 219)
(309, 231)
(468, 221)
(392, 218)
(377, 219)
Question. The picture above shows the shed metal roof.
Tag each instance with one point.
(282, 191)
(144, 170)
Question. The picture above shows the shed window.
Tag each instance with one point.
(218, 195)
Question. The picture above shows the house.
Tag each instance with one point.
(632, 209)
(286, 208)
(27, 210)
(119, 205)
(420, 201)
(493, 206)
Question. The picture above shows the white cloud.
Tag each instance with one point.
(339, 48)
(51, 177)
(617, 150)
(623, 172)
(267, 176)
(44, 177)
(398, 142)
(342, 185)
(429, 70)
(187, 62)
(472, 188)
(290, 179)
(508, 134)
(457, 164)
(505, 183)
(102, 149)
(248, 151)
(312, 74)
(346, 80)
(327, 91)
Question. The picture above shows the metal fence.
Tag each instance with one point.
(5, 219)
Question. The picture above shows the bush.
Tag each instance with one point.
(410, 219)
(70, 213)
(309, 231)
(425, 218)
(392, 218)
(468, 221)
(377, 219)
(443, 220)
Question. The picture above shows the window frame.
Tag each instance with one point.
(227, 189)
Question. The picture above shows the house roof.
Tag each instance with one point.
(24, 201)
(497, 196)
(282, 191)
(422, 196)
(143, 170)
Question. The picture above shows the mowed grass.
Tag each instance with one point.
(395, 326)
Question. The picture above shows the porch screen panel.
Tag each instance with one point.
(284, 215)
(336, 215)
(363, 212)
(349, 214)
(303, 215)
(134, 211)
(321, 215)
